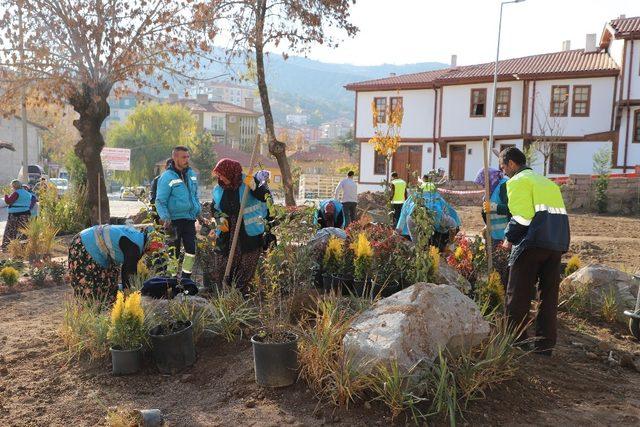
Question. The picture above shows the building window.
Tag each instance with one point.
(559, 101)
(396, 102)
(217, 124)
(478, 102)
(558, 159)
(636, 126)
(581, 101)
(503, 102)
(381, 106)
(379, 164)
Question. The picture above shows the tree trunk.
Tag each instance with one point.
(91, 104)
(276, 148)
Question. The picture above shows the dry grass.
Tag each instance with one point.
(84, 329)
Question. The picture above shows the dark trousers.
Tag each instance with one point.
(184, 232)
(350, 211)
(397, 208)
(542, 266)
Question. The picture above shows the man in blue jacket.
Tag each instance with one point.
(178, 205)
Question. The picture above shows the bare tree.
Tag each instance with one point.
(550, 131)
(77, 51)
(292, 25)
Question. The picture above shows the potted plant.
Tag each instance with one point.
(126, 334)
(332, 265)
(172, 346)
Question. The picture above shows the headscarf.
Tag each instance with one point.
(232, 171)
(329, 214)
(262, 176)
(495, 175)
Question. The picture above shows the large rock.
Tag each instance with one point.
(450, 276)
(599, 281)
(413, 324)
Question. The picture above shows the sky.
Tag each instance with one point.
(410, 31)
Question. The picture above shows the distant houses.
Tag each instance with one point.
(11, 147)
(582, 100)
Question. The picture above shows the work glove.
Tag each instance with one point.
(489, 207)
(250, 182)
(223, 226)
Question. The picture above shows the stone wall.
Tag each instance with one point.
(623, 194)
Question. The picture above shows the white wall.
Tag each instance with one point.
(599, 119)
(207, 120)
(418, 112)
(11, 131)
(616, 48)
(456, 108)
(633, 154)
(634, 81)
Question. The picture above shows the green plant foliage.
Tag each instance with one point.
(9, 276)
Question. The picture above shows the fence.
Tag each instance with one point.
(317, 186)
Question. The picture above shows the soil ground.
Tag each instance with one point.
(576, 386)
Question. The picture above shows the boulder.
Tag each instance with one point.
(159, 308)
(599, 281)
(413, 324)
(449, 276)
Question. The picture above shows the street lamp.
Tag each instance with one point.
(495, 78)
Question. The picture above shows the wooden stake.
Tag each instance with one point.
(236, 232)
(487, 198)
(99, 203)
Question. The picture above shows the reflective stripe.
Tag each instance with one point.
(103, 241)
(541, 208)
(250, 209)
(252, 220)
(193, 178)
(522, 221)
(174, 182)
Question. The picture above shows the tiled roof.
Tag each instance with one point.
(625, 26)
(566, 62)
(216, 107)
(319, 153)
(226, 151)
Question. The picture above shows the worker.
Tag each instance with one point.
(426, 184)
(178, 206)
(497, 205)
(349, 200)
(398, 196)
(96, 254)
(330, 214)
(262, 179)
(225, 207)
(537, 235)
(446, 219)
(20, 204)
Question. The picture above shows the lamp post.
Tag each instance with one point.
(495, 79)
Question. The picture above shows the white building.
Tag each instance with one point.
(297, 119)
(11, 141)
(334, 129)
(582, 100)
(243, 96)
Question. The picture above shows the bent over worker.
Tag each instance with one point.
(178, 205)
(538, 235)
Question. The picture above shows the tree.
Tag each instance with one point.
(61, 135)
(76, 51)
(151, 131)
(550, 131)
(347, 144)
(602, 167)
(203, 156)
(291, 25)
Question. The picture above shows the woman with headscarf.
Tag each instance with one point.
(330, 214)
(20, 203)
(497, 205)
(97, 254)
(225, 207)
(262, 178)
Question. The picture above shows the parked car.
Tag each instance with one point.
(35, 172)
(62, 185)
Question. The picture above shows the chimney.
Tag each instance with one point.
(202, 98)
(566, 45)
(454, 61)
(173, 97)
(590, 43)
(623, 16)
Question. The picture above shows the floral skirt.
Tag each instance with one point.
(242, 270)
(88, 278)
(12, 230)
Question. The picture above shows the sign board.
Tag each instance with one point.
(116, 159)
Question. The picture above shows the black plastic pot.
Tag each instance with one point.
(391, 288)
(126, 362)
(173, 351)
(331, 283)
(276, 364)
(366, 288)
(318, 278)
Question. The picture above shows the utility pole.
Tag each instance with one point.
(23, 103)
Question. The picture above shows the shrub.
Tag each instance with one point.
(609, 310)
(18, 264)
(362, 257)
(39, 276)
(574, 264)
(84, 329)
(9, 276)
(602, 167)
(333, 256)
(396, 390)
(39, 241)
(183, 310)
(126, 326)
(490, 294)
(57, 271)
(231, 313)
(70, 212)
